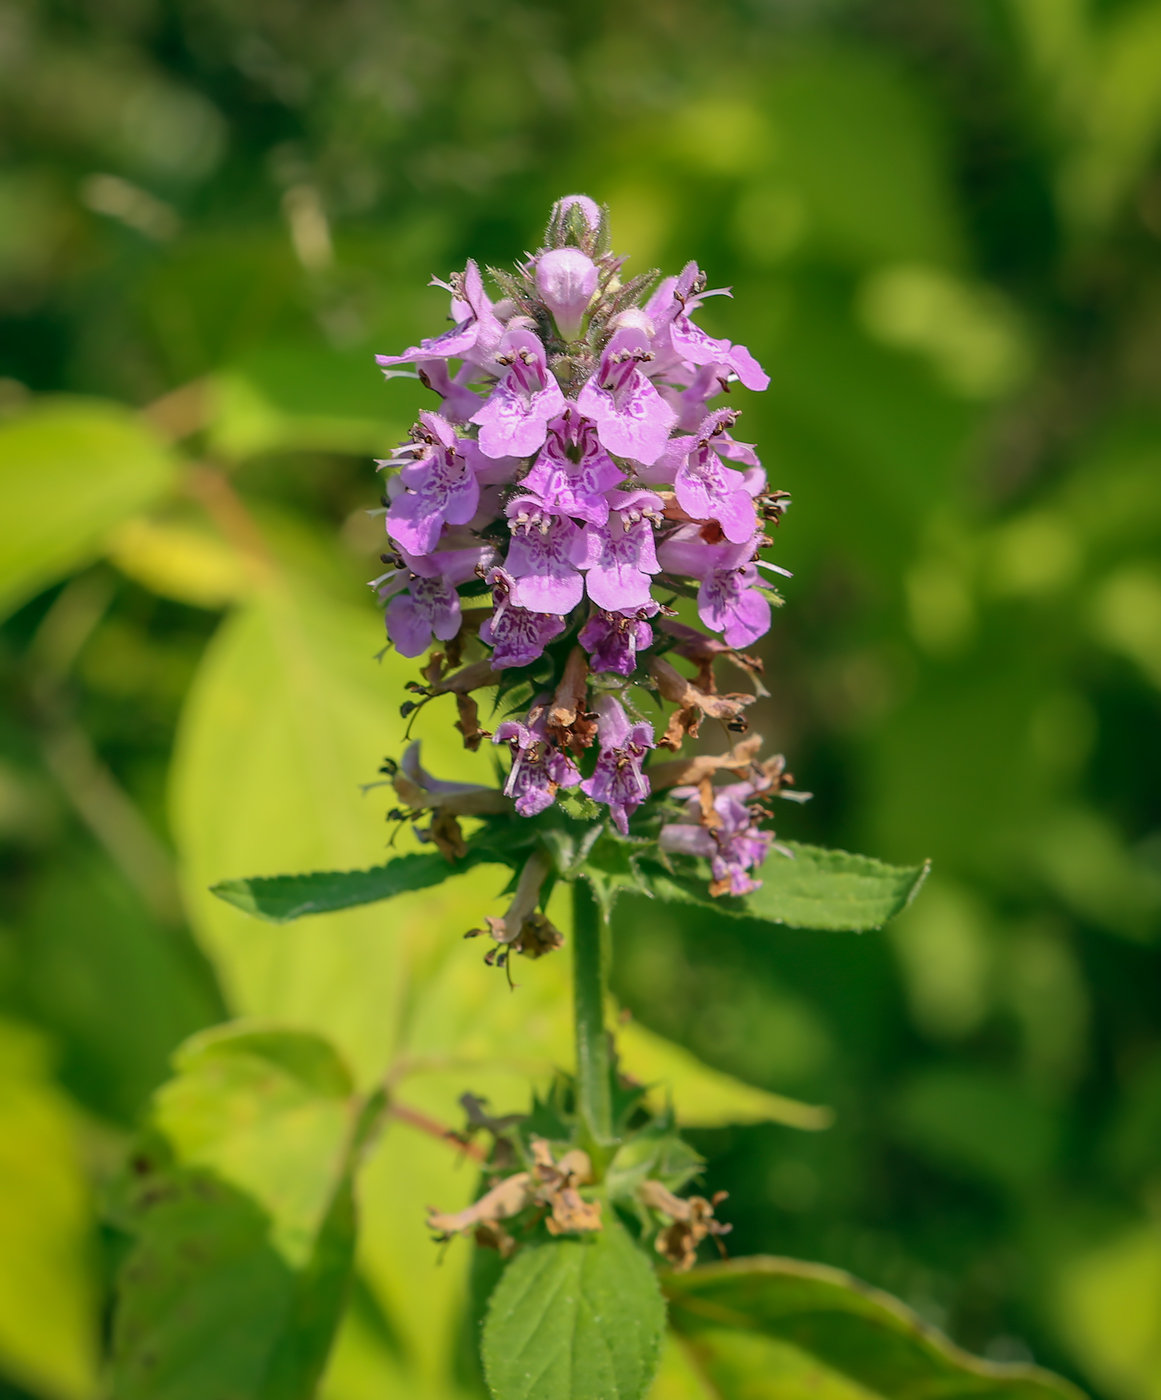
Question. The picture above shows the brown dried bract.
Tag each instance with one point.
(682, 771)
(703, 651)
(418, 791)
(571, 1213)
(569, 722)
(534, 936)
(523, 929)
(469, 723)
(693, 703)
(506, 1199)
(554, 1185)
(691, 1221)
(444, 830)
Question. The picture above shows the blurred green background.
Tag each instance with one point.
(941, 221)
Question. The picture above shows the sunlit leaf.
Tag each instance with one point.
(240, 1201)
(1108, 1305)
(575, 1317)
(289, 714)
(281, 898)
(48, 1303)
(70, 470)
(817, 888)
(703, 1097)
(812, 1330)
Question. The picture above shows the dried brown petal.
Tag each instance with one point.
(690, 771)
(682, 692)
(569, 723)
(507, 1198)
(691, 1221)
(469, 723)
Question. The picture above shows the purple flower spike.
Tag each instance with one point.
(734, 847)
(517, 637)
(573, 471)
(707, 490)
(515, 419)
(543, 557)
(566, 279)
(436, 486)
(632, 418)
(613, 639)
(538, 766)
(618, 779)
(620, 555)
(475, 335)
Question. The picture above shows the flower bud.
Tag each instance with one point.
(588, 209)
(566, 279)
(635, 319)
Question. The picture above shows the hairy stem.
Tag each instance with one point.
(590, 973)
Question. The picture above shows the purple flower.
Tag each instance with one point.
(632, 418)
(734, 846)
(679, 339)
(515, 419)
(517, 637)
(573, 471)
(727, 600)
(475, 335)
(435, 485)
(618, 779)
(543, 557)
(613, 639)
(431, 604)
(620, 555)
(538, 766)
(707, 490)
(707, 382)
(459, 402)
(566, 281)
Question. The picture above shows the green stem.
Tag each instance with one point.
(590, 976)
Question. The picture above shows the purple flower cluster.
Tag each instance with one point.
(574, 466)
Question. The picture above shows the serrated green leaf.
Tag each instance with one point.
(611, 869)
(240, 1200)
(812, 1331)
(70, 470)
(825, 889)
(281, 898)
(821, 889)
(575, 1317)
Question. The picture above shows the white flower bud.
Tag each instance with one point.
(566, 279)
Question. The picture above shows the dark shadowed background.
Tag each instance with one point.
(941, 223)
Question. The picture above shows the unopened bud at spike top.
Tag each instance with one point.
(566, 280)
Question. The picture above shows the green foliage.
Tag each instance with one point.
(940, 224)
(807, 1329)
(69, 472)
(818, 889)
(240, 1200)
(281, 898)
(48, 1338)
(575, 1317)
